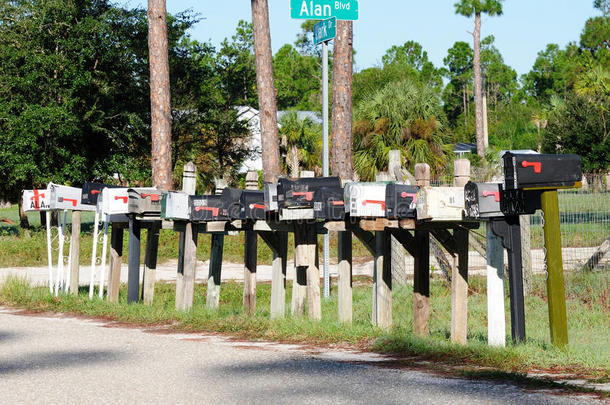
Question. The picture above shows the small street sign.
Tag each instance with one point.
(319, 9)
(325, 30)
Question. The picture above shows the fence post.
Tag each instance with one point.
(421, 271)
(215, 269)
(459, 273)
(344, 300)
(278, 281)
(250, 250)
(496, 324)
(301, 263)
(75, 252)
(187, 252)
(116, 258)
(150, 263)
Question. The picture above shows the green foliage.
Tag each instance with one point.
(578, 128)
(469, 7)
(301, 144)
(412, 62)
(297, 79)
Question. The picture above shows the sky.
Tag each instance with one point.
(525, 28)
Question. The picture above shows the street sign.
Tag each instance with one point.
(325, 30)
(319, 9)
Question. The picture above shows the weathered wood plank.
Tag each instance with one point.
(459, 288)
(382, 281)
(150, 264)
(116, 257)
(75, 252)
(496, 323)
(213, 295)
(345, 297)
(250, 247)
(184, 302)
(421, 284)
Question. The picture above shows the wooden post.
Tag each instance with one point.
(250, 251)
(344, 250)
(278, 277)
(213, 296)
(496, 324)
(189, 185)
(526, 253)
(75, 252)
(184, 302)
(301, 263)
(133, 272)
(313, 275)
(116, 258)
(306, 286)
(554, 266)
(399, 255)
(150, 263)
(421, 263)
(382, 281)
(459, 276)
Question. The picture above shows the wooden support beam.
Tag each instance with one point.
(382, 281)
(184, 301)
(116, 257)
(180, 269)
(378, 224)
(306, 246)
(133, 273)
(367, 238)
(421, 283)
(213, 296)
(150, 264)
(250, 249)
(445, 238)
(496, 324)
(75, 252)
(406, 240)
(278, 243)
(345, 292)
(459, 288)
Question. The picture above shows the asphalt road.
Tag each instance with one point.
(74, 361)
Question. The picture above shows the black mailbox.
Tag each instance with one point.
(252, 205)
(91, 191)
(300, 192)
(206, 208)
(231, 202)
(328, 203)
(482, 200)
(400, 200)
(533, 171)
(520, 202)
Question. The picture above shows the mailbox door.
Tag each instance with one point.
(175, 205)
(270, 190)
(530, 171)
(366, 199)
(206, 208)
(440, 203)
(329, 204)
(400, 201)
(231, 202)
(253, 205)
(35, 200)
(519, 201)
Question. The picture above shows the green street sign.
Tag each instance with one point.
(325, 30)
(318, 9)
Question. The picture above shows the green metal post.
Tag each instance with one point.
(555, 281)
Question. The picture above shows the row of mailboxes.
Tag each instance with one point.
(66, 198)
(440, 203)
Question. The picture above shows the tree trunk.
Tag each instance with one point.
(267, 100)
(478, 93)
(293, 160)
(23, 217)
(342, 155)
(160, 110)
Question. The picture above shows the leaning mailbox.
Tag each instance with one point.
(482, 200)
(329, 203)
(440, 203)
(365, 199)
(175, 205)
(66, 198)
(400, 201)
(206, 208)
(145, 203)
(252, 205)
(298, 193)
(35, 200)
(526, 171)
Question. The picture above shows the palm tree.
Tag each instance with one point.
(301, 140)
(403, 115)
(595, 85)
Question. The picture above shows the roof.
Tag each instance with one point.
(460, 148)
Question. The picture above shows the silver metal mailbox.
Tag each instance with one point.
(66, 198)
(365, 199)
(175, 205)
(144, 202)
(35, 200)
(482, 200)
(440, 203)
(271, 197)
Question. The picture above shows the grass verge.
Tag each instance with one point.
(588, 297)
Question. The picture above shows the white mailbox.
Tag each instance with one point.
(440, 203)
(35, 200)
(66, 198)
(365, 199)
(114, 201)
(175, 205)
